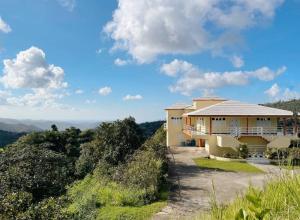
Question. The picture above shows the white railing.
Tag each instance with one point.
(243, 131)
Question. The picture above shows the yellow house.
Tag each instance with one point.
(221, 126)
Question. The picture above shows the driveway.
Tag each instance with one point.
(195, 190)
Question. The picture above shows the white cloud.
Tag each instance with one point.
(190, 78)
(31, 70)
(68, 4)
(105, 91)
(132, 97)
(79, 91)
(4, 27)
(237, 61)
(89, 102)
(41, 98)
(275, 93)
(176, 67)
(265, 74)
(120, 62)
(148, 28)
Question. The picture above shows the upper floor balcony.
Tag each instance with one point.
(242, 131)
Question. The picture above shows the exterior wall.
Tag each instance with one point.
(212, 148)
(174, 128)
(253, 141)
(280, 142)
(205, 103)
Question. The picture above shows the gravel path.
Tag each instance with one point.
(196, 185)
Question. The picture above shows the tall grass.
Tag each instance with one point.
(280, 199)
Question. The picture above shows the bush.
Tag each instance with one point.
(243, 151)
(144, 172)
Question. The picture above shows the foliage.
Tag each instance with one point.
(144, 172)
(226, 165)
(149, 128)
(35, 170)
(280, 199)
(15, 205)
(114, 144)
(7, 137)
(243, 151)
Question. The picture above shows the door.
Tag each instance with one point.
(219, 125)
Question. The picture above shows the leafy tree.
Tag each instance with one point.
(38, 171)
(114, 144)
(54, 127)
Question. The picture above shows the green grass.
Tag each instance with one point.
(94, 198)
(281, 196)
(226, 165)
(130, 213)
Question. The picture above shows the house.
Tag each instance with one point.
(221, 126)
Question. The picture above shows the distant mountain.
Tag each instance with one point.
(18, 127)
(149, 128)
(7, 137)
(38, 125)
(292, 105)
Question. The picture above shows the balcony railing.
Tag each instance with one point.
(243, 131)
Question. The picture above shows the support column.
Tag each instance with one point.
(210, 126)
(284, 126)
(247, 125)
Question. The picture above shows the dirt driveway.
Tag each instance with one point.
(196, 185)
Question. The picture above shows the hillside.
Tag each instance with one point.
(292, 105)
(149, 128)
(7, 137)
(18, 127)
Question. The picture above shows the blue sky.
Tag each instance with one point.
(72, 59)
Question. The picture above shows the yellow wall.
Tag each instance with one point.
(205, 103)
(174, 128)
(253, 140)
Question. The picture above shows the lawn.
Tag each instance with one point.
(226, 165)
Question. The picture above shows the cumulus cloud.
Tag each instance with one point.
(68, 4)
(190, 78)
(38, 98)
(4, 27)
(79, 92)
(105, 91)
(132, 97)
(148, 28)
(120, 62)
(275, 93)
(237, 61)
(31, 70)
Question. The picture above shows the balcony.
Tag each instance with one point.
(242, 131)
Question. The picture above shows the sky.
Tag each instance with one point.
(105, 60)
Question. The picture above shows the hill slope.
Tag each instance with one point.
(7, 137)
(18, 127)
(292, 105)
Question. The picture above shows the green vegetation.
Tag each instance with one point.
(226, 165)
(280, 199)
(149, 128)
(7, 137)
(291, 105)
(75, 174)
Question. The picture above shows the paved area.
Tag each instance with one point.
(197, 184)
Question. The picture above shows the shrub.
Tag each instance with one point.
(243, 151)
(144, 172)
(14, 205)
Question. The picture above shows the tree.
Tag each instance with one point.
(54, 127)
(35, 170)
